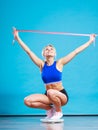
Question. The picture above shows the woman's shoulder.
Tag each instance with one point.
(59, 65)
(58, 61)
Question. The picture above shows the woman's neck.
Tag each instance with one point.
(50, 61)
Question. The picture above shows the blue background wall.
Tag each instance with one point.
(19, 77)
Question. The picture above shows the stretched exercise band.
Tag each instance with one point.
(58, 33)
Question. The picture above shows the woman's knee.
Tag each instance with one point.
(30, 103)
(50, 93)
(27, 102)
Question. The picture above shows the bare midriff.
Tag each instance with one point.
(57, 86)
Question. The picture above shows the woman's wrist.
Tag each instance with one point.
(17, 37)
(92, 38)
(91, 41)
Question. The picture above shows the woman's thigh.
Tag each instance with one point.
(37, 98)
(58, 94)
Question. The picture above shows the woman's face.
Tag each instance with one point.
(49, 51)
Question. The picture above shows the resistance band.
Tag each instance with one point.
(54, 33)
(58, 33)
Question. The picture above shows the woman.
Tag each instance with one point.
(51, 72)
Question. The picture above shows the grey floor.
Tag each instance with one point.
(33, 123)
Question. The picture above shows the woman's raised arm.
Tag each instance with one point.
(70, 56)
(32, 55)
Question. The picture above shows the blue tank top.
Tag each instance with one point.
(50, 74)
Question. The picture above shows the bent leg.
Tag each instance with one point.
(38, 101)
(57, 98)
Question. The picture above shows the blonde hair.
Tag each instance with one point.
(47, 46)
